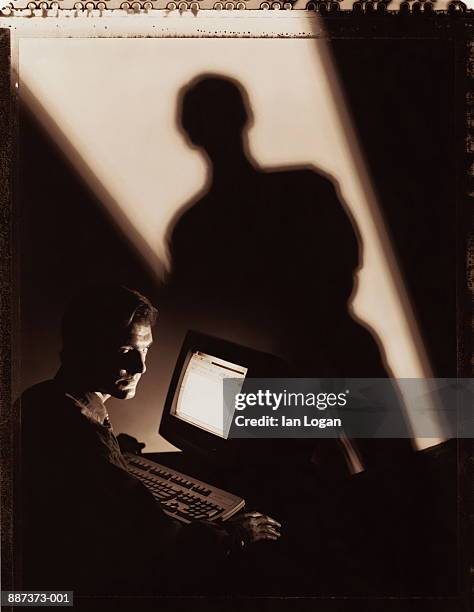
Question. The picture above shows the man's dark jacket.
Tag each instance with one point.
(89, 525)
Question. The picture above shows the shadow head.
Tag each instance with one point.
(214, 112)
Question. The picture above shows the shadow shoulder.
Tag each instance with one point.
(367, 355)
(185, 220)
(306, 174)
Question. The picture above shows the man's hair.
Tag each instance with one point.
(100, 314)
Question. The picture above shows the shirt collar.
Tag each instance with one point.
(91, 406)
(89, 402)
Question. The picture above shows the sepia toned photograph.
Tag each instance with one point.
(272, 201)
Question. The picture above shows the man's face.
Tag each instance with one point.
(121, 365)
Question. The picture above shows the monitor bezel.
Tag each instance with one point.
(192, 438)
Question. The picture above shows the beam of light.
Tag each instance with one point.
(110, 106)
(88, 173)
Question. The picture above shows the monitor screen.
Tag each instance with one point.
(200, 394)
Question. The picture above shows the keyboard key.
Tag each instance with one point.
(183, 513)
(201, 490)
(164, 496)
(170, 506)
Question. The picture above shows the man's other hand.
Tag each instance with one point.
(255, 526)
(129, 444)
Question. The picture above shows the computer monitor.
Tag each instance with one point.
(193, 415)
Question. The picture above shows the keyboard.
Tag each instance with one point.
(183, 497)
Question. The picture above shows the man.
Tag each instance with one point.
(88, 524)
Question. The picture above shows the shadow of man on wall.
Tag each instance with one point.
(273, 252)
(275, 248)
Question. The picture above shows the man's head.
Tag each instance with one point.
(106, 333)
(213, 110)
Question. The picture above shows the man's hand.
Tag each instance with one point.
(129, 444)
(256, 526)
